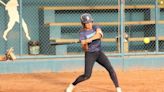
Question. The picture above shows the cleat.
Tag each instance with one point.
(70, 88)
(4, 36)
(118, 89)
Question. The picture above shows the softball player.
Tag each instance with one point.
(90, 37)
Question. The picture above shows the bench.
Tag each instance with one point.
(98, 7)
(114, 7)
(126, 44)
(49, 20)
(104, 23)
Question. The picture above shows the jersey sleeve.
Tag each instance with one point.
(82, 35)
(98, 29)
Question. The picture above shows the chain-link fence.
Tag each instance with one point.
(125, 24)
(138, 25)
(147, 23)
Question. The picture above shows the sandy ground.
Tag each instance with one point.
(130, 81)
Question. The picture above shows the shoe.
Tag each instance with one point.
(118, 89)
(10, 55)
(70, 88)
(28, 37)
(4, 36)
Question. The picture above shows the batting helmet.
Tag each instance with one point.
(86, 18)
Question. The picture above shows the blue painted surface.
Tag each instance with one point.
(73, 64)
(144, 62)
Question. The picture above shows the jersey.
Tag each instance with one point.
(95, 45)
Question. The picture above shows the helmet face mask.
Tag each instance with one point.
(86, 18)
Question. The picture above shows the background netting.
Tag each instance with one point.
(139, 18)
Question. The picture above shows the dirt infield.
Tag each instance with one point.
(130, 81)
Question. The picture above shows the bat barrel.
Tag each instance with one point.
(63, 41)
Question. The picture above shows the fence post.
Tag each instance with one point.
(157, 14)
(20, 26)
(122, 17)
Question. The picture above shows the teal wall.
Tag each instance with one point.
(74, 64)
